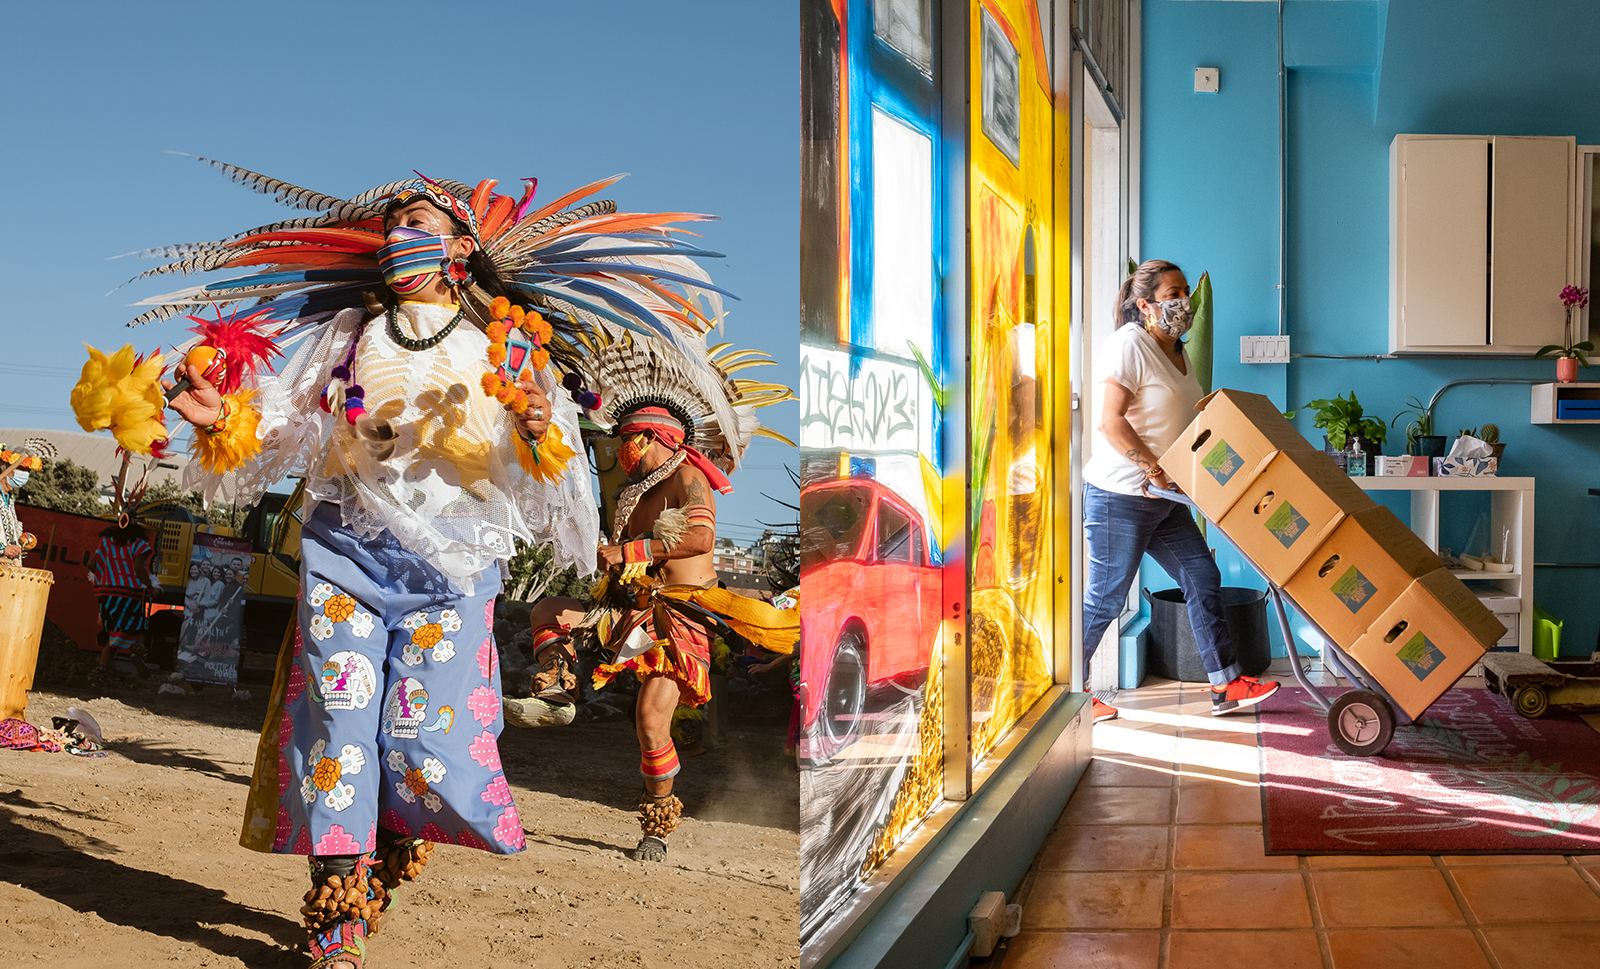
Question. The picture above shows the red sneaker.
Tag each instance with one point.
(1102, 711)
(1241, 694)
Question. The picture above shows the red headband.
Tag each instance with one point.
(662, 426)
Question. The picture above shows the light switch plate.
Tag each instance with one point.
(1207, 79)
(1264, 349)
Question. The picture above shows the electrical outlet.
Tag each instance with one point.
(1264, 349)
(1207, 79)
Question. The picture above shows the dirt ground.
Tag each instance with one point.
(133, 859)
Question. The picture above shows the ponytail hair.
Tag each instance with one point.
(1141, 285)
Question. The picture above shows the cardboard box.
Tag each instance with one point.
(1465, 467)
(1426, 640)
(1402, 466)
(1222, 449)
(1289, 509)
(1362, 568)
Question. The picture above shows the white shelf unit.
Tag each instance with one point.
(1510, 507)
(1545, 397)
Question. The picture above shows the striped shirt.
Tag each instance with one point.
(116, 566)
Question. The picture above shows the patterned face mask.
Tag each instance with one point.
(1177, 315)
(632, 452)
(412, 259)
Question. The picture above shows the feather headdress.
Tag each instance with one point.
(716, 409)
(31, 455)
(584, 265)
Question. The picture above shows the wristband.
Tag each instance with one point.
(635, 560)
(221, 423)
(1156, 473)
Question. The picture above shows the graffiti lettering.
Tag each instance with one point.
(875, 408)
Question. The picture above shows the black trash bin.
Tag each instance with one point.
(1172, 652)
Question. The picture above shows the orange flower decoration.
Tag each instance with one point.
(504, 318)
(415, 781)
(427, 636)
(339, 608)
(327, 774)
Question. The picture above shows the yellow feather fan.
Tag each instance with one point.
(122, 393)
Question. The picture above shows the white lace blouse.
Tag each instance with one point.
(435, 463)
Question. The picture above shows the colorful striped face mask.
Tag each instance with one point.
(412, 258)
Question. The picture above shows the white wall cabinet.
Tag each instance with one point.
(1481, 241)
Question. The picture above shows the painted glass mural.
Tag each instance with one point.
(927, 478)
(1011, 210)
(871, 511)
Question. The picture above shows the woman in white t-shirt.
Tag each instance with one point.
(1149, 396)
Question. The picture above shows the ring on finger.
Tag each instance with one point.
(538, 413)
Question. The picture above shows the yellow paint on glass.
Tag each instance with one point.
(1011, 217)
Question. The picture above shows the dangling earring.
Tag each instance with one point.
(456, 272)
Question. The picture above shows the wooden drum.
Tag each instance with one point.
(23, 596)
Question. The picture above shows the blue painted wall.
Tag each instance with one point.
(1360, 72)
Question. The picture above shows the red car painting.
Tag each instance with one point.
(869, 606)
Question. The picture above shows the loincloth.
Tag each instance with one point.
(682, 620)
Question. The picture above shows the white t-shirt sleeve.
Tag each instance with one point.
(1123, 363)
(1162, 405)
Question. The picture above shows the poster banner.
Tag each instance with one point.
(213, 609)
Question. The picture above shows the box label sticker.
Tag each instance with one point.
(1354, 590)
(1286, 524)
(1222, 462)
(1420, 656)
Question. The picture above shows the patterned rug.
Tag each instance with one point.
(1470, 777)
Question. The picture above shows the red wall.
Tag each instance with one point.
(64, 540)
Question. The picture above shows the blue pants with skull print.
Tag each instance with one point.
(392, 714)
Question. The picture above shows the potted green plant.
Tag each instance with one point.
(1420, 439)
(1569, 355)
(1344, 425)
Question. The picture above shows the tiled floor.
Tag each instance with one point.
(1157, 863)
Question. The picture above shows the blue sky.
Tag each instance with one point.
(697, 99)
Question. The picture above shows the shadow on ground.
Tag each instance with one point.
(44, 857)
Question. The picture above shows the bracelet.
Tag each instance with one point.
(221, 423)
(637, 551)
(1155, 473)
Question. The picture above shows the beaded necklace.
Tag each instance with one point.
(629, 499)
(428, 343)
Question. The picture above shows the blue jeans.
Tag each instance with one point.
(1121, 529)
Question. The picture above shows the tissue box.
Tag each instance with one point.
(1401, 466)
(1465, 467)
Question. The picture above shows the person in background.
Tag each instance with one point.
(1149, 397)
(14, 470)
(122, 579)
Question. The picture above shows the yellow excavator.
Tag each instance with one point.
(273, 530)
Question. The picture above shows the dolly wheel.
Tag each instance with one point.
(1531, 701)
(1361, 723)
